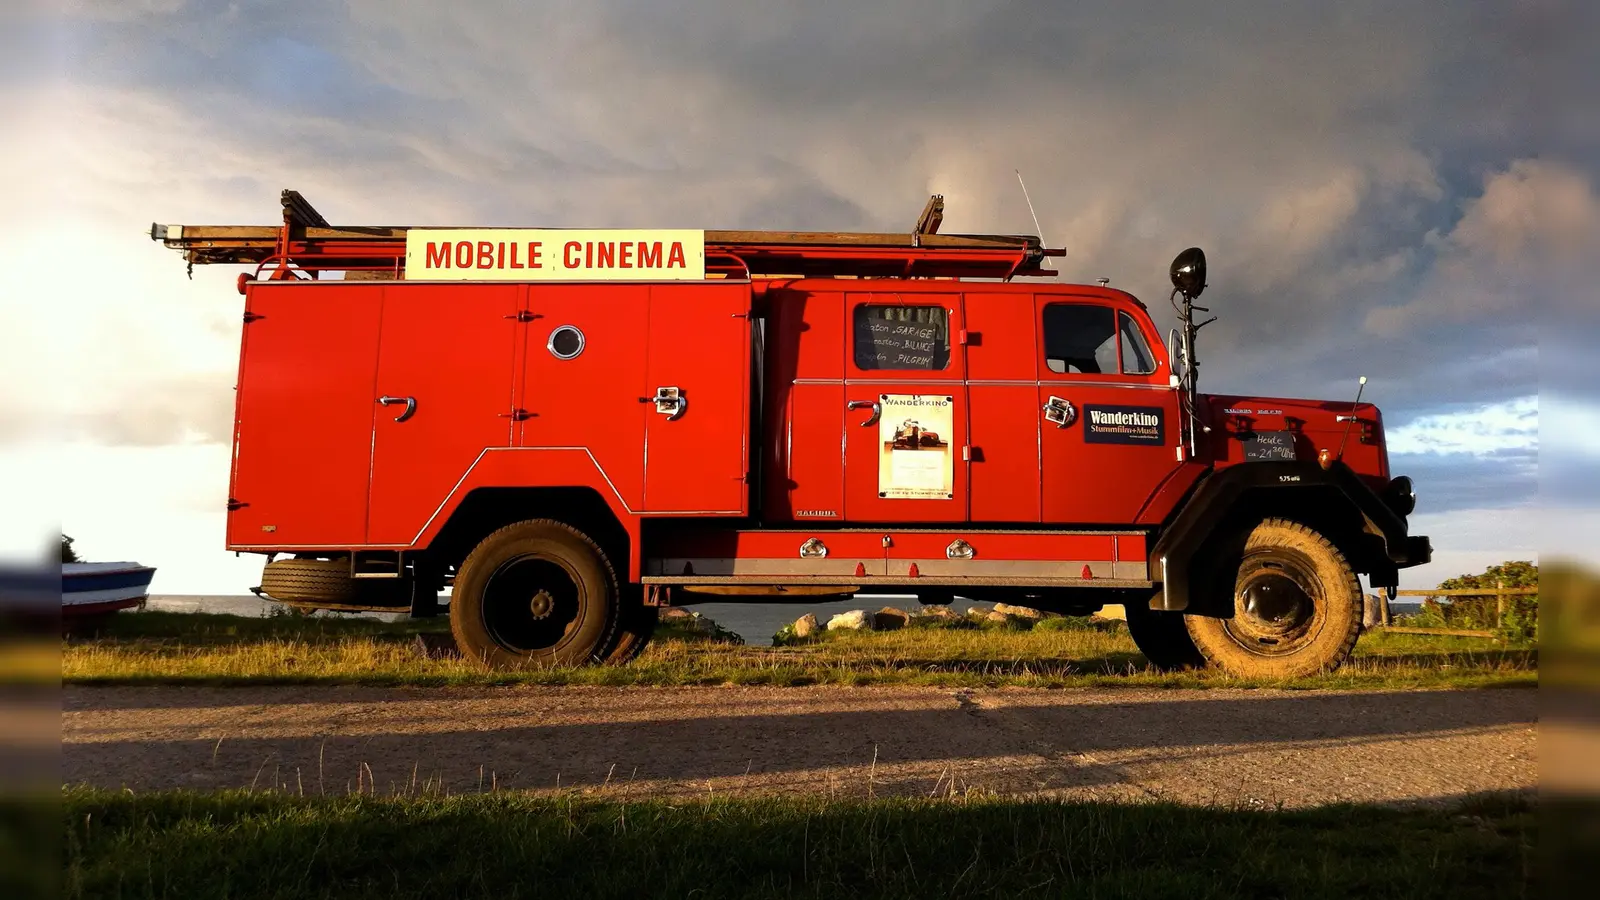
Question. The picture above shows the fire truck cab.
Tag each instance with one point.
(570, 429)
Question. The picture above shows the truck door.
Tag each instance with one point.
(697, 430)
(906, 409)
(304, 434)
(1003, 406)
(442, 395)
(1108, 417)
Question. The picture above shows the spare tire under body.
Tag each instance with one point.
(327, 584)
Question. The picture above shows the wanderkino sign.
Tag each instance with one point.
(547, 254)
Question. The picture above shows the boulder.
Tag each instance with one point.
(1021, 612)
(676, 612)
(934, 611)
(979, 612)
(890, 619)
(1374, 610)
(854, 620)
(806, 626)
(995, 615)
(1112, 611)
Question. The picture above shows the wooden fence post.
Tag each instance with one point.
(1499, 602)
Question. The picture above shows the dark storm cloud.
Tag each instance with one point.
(1460, 481)
(1336, 160)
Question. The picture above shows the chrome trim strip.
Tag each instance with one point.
(997, 382)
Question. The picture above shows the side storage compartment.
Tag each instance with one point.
(697, 430)
(304, 415)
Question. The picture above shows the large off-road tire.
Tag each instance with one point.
(535, 594)
(1296, 607)
(1163, 638)
(304, 581)
(636, 623)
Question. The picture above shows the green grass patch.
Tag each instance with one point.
(182, 648)
(269, 845)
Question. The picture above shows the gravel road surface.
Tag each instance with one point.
(1216, 746)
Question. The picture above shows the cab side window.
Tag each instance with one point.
(1080, 339)
(901, 337)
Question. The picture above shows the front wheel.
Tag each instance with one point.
(536, 593)
(1296, 607)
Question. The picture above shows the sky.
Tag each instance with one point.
(1381, 190)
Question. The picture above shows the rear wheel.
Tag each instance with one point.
(537, 593)
(1296, 607)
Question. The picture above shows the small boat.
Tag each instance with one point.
(91, 589)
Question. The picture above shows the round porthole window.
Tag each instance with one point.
(565, 342)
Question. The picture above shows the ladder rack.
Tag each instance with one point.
(306, 243)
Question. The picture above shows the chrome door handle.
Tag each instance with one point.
(877, 410)
(1060, 411)
(410, 402)
(671, 402)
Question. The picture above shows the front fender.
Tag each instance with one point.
(1303, 491)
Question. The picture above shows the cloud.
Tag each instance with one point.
(1478, 431)
(1516, 251)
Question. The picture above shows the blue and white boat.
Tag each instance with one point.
(89, 589)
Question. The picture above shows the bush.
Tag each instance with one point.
(1513, 618)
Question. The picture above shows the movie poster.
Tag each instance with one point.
(915, 459)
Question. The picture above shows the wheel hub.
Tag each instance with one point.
(1275, 609)
(1275, 602)
(531, 604)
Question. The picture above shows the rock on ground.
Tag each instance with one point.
(889, 619)
(854, 620)
(806, 626)
(1021, 612)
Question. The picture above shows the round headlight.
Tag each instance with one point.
(1401, 496)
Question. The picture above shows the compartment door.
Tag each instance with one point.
(697, 436)
(303, 429)
(446, 356)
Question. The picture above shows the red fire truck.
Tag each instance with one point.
(572, 429)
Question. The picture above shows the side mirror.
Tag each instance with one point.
(1175, 356)
(1189, 272)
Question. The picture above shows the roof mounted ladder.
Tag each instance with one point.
(306, 244)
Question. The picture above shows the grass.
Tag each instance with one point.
(184, 648)
(270, 845)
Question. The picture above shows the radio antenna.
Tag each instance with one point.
(1351, 419)
(1029, 200)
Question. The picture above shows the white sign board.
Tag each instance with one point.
(915, 458)
(548, 254)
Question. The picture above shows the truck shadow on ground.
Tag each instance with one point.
(542, 737)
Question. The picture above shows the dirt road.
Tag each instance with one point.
(1214, 746)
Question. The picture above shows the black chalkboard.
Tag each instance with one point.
(1269, 445)
(899, 337)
